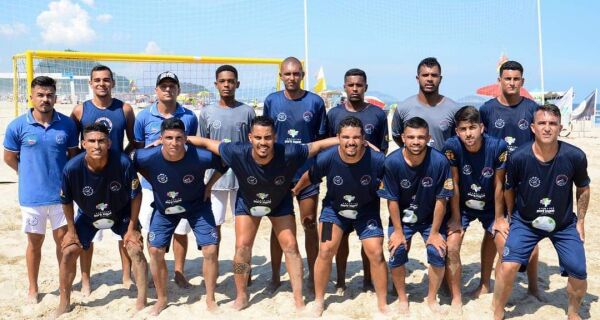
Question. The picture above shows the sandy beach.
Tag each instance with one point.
(109, 300)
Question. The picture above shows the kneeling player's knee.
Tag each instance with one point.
(134, 251)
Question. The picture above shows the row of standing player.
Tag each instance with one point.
(355, 85)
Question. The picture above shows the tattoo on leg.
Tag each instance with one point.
(241, 268)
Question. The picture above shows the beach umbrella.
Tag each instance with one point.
(375, 101)
(493, 90)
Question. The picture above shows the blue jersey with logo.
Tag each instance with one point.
(100, 195)
(112, 117)
(178, 186)
(476, 172)
(297, 121)
(42, 155)
(511, 123)
(264, 185)
(546, 189)
(350, 186)
(374, 122)
(417, 188)
(147, 126)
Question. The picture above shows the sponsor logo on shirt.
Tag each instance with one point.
(534, 182)
(106, 122)
(263, 199)
(135, 183)
(31, 139)
(428, 182)
(32, 221)
(487, 172)
(561, 180)
(293, 133)
(252, 180)
(369, 128)
(188, 178)
(154, 128)
(281, 117)
(372, 224)
(499, 123)
(467, 170)
(349, 204)
(115, 186)
(307, 116)
(449, 184)
(349, 198)
(405, 183)
(174, 200)
(87, 191)
(338, 181)
(279, 180)
(523, 124)
(101, 206)
(502, 157)
(216, 124)
(365, 180)
(444, 124)
(60, 139)
(162, 178)
(547, 209)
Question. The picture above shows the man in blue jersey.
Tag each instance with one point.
(299, 118)
(147, 131)
(477, 162)
(265, 171)
(176, 173)
(118, 117)
(508, 117)
(37, 146)
(540, 177)
(376, 132)
(417, 184)
(354, 173)
(106, 189)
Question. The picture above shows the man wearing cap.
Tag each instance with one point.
(147, 131)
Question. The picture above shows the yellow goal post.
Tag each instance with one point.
(135, 76)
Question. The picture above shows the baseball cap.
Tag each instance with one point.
(167, 75)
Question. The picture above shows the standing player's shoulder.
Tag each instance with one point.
(523, 152)
(144, 154)
(571, 151)
(74, 163)
(376, 156)
(530, 104)
(65, 119)
(437, 157)
(394, 156)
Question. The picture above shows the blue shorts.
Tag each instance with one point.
(487, 221)
(367, 225)
(522, 239)
(307, 192)
(286, 207)
(86, 230)
(202, 222)
(400, 257)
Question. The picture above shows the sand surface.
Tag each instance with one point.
(110, 301)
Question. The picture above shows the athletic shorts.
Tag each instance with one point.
(220, 199)
(147, 210)
(35, 218)
(522, 239)
(202, 223)
(487, 221)
(286, 207)
(400, 257)
(367, 225)
(307, 192)
(86, 230)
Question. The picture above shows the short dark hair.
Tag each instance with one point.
(429, 62)
(467, 113)
(226, 67)
(263, 121)
(355, 72)
(43, 81)
(95, 127)
(548, 107)
(510, 65)
(416, 123)
(101, 67)
(172, 124)
(351, 121)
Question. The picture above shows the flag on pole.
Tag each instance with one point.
(586, 109)
(321, 85)
(565, 104)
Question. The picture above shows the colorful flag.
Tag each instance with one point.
(321, 85)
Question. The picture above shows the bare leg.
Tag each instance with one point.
(285, 230)
(488, 254)
(399, 279)
(503, 288)
(367, 282)
(33, 257)
(135, 254)
(210, 271)
(576, 289)
(532, 272)
(373, 248)
(180, 245)
(68, 268)
(341, 262)
(454, 269)
(125, 265)
(246, 227)
(158, 266)
(323, 267)
(85, 265)
(276, 256)
(436, 275)
(308, 216)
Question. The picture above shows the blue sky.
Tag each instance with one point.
(385, 38)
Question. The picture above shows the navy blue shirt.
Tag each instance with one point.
(106, 194)
(350, 186)
(374, 122)
(112, 117)
(264, 185)
(297, 121)
(511, 123)
(417, 188)
(42, 155)
(546, 189)
(178, 186)
(477, 172)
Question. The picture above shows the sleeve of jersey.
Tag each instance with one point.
(300, 153)
(445, 185)
(384, 134)
(217, 163)
(72, 135)
(11, 139)
(322, 118)
(193, 125)
(450, 153)
(329, 123)
(138, 128)
(511, 174)
(203, 126)
(133, 180)
(484, 116)
(228, 151)
(267, 107)
(581, 177)
(501, 156)
(389, 188)
(397, 123)
(65, 191)
(316, 172)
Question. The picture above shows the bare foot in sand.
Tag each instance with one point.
(340, 290)
(481, 289)
(435, 307)
(212, 307)
(240, 304)
(456, 308)
(403, 308)
(86, 289)
(368, 286)
(127, 284)
(536, 294)
(140, 304)
(158, 307)
(181, 281)
(317, 309)
(273, 286)
(32, 297)
(62, 309)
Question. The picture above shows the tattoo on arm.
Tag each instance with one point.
(583, 199)
(241, 268)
